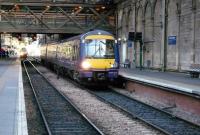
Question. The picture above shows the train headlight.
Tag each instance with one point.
(85, 65)
(21, 53)
(115, 65)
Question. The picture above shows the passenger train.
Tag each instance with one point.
(89, 57)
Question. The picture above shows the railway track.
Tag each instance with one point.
(159, 119)
(60, 116)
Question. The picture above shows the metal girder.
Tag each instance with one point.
(36, 17)
(9, 21)
(76, 13)
(100, 16)
(103, 18)
(71, 18)
(49, 17)
(70, 30)
(38, 4)
(47, 9)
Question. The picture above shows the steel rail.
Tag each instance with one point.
(68, 100)
(130, 114)
(37, 100)
(114, 106)
(98, 131)
(134, 116)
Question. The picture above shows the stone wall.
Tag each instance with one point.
(159, 20)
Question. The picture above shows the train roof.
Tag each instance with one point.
(84, 35)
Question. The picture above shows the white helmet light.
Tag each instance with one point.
(85, 65)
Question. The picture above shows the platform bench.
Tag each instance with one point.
(194, 70)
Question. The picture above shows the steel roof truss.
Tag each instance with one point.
(100, 16)
(76, 13)
(71, 18)
(39, 19)
(41, 16)
(103, 18)
(9, 21)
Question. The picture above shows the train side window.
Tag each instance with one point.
(74, 53)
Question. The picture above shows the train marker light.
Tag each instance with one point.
(115, 65)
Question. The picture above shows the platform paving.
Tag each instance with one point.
(177, 81)
(12, 106)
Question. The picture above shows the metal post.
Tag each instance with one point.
(165, 37)
(179, 39)
(162, 51)
(194, 30)
(0, 41)
(0, 46)
(0, 33)
(135, 43)
(141, 51)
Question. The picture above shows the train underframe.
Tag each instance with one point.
(86, 77)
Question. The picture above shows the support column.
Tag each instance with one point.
(179, 36)
(165, 34)
(163, 41)
(141, 54)
(0, 33)
(194, 29)
(0, 41)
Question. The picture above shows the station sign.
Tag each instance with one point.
(171, 40)
(130, 44)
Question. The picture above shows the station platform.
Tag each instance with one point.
(172, 80)
(12, 103)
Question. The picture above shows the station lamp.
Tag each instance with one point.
(103, 7)
(97, 9)
(125, 39)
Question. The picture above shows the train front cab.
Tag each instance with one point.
(99, 59)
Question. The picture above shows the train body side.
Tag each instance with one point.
(71, 55)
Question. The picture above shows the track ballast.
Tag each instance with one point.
(157, 118)
(60, 116)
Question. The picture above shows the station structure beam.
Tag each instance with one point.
(55, 17)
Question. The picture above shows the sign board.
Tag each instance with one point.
(119, 45)
(131, 36)
(171, 40)
(129, 44)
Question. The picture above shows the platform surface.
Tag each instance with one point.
(12, 106)
(178, 81)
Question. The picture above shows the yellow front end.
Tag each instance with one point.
(100, 64)
(99, 59)
(98, 70)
